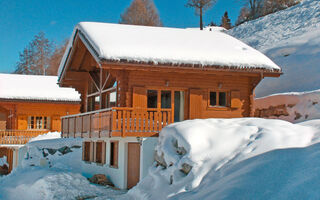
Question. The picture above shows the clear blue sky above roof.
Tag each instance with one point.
(20, 20)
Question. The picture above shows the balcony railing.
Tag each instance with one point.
(19, 136)
(116, 122)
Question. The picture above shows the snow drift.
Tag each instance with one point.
(51, 170)
(293, 107)
(213, 148)
(291, 39)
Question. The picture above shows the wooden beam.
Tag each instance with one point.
(93, 78)
(78, 56)
(182, 69)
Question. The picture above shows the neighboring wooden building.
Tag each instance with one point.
(158, 76)
(32, 105)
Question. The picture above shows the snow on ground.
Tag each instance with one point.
(161, 45)
(244, 158)
(299, 106)
(291, 39)
(47, 136)
(3, 161)
(51, 170)
(229, 160)
(35, 87)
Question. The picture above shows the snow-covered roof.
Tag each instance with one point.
(31, 87)
(161, 45)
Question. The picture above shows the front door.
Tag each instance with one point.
(133, 164)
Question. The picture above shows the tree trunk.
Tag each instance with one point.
(201, 24)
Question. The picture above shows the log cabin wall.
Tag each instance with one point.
(190, 83)
(18, 118)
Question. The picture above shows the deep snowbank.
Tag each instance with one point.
(213, 146)
(51, 170)
(293, 107)
(291, 39)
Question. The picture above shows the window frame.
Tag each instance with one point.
(86, 151)
(217, 106)
(44, 121)
(114, 153)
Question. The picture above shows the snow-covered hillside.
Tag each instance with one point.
(291, 39)
(234, 159)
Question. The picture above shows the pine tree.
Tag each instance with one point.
(141, 12)
(200, 7)
(35, 57)
(225, 21)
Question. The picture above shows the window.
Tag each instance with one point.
(152, 98)
(86, 151)
(218, 99)
(114, 153)
(39, 122)
(165, 99)
(100, 152)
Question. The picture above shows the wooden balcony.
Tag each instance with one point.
(116, 122)
(19, 136)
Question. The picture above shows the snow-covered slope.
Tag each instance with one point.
(218, 158)
(291, 39)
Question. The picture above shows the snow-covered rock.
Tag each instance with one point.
(291, 39)
(293, 107)
(214, 148)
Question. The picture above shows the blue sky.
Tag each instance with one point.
(20, 20)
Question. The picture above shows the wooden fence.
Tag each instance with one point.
(19, 136)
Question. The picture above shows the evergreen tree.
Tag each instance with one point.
(141, 12)
(200, 7)
(225, 21)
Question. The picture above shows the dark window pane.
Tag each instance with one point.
(222, 99)
(45, 123)
(165, 99)
(213, 98)
(152, 98)
(32, 122)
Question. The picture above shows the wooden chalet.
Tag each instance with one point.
(32, 105)
(157, 76)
